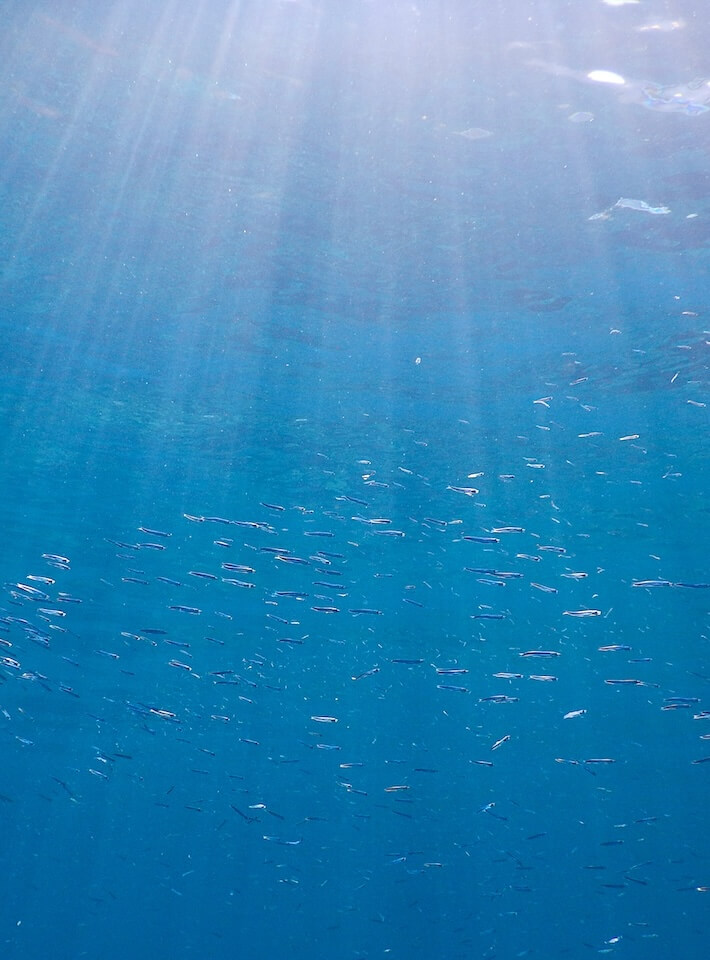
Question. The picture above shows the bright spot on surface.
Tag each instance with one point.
(475, 133)
(662, 26)
(605, 76)
(618, 3)
(582, 116)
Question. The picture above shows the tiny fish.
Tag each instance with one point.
(367, 673)
(539, 653)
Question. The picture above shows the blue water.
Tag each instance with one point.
(315, 308)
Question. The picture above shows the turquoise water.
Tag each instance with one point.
(354, 415)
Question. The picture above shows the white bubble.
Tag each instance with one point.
(605, 76)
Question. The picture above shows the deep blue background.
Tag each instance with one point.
(337, 257)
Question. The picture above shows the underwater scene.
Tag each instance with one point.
(354, 402)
